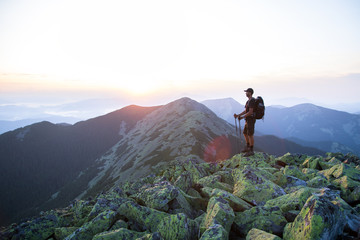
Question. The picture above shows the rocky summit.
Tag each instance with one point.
(257, 197)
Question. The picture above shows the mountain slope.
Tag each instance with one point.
(55, 164)
(39, 159)
(182, 129)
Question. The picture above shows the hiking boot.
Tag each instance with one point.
(245, 150)
(249, 153)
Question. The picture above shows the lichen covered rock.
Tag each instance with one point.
(100, 223)
(258, 197)
(257, 234)
(121, 233)
(218, 212)
(158, 196)
(324, 216)
(145, 216)
(178, 226)
(236, 203)
(292, 201)
(215, 232)
(268, 219)
(251, 186)
(295, 172)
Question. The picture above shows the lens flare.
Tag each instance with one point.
(218, 149)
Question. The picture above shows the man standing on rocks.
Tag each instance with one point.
(249, 128)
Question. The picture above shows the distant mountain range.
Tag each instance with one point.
(306, 124)
(13, 116)
(46, 165)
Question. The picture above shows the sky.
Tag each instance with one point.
(153, 52)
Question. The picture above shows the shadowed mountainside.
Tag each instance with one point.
(39, 159)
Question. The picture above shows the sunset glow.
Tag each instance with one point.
(199, 48)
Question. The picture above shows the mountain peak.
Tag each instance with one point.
(183, 106)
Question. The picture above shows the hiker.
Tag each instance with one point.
(249, 128)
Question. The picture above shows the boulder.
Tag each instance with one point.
(292, 159)
(292, 182)
(253, 187)
(292, 201)
(181, 205)
(184, 181)
(196, 170)
(41, 227)
(318, 182)
(257, 234)
(157, 196)
(354, 196)
(346, 185)
(294, 171)
(106, 202)
(215, 232)
(268, 219)
(259, 160)
(147, 217)
(310, 173)
(119, 224)
(63, 232)
(236, 203)
(177, 226)
(329, 164)
(341, 170)
(312, 162)
(226, 176)
(218, 212)
(214, 181)
(324, 216)
(80, 210)
(121, 233)
(151, 236)
(99, 224)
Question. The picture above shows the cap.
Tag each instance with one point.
(249, 90)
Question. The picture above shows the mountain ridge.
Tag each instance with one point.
(127, 140)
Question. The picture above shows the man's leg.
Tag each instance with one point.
(247, 140)
(246, 136)
(250, 131)
(251, 142)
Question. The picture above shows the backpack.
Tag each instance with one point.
(259, 108)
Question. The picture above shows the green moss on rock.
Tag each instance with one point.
(251, 186)
(99, 224)
(292, 201)
(218, 212)
(215, 232)
(257, 234)
(323, 216)
(145, 216)
(269, 219)
(121, 233)
(178, 226)
(63, 232)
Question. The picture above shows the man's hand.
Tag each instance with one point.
(236, 116)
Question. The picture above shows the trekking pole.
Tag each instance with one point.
(237, 140)
(240, 133)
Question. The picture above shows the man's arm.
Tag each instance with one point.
(249, 113)
(236, 116)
